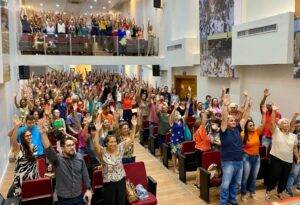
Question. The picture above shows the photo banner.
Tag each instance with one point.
(216, 21)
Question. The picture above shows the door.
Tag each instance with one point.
(182, 83)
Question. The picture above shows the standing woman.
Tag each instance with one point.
(177, 134)
(26, 165)
(113, 171)
(284, 148)
(127, 107)
(251, 158)
(126, 134)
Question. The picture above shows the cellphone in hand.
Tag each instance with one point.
(227, 91)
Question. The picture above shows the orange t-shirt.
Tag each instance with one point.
(253, 143)
(127, 104)
(202, 140)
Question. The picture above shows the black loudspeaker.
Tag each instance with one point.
(24, 72)
(157, 4)
(155, 70)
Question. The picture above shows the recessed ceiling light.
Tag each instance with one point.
(104, 7)
(41, 4)
(85, 14)
(57, 5)
(109, 2)
(64, 13)
(91, 7)
(95, 0)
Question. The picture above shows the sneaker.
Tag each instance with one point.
(289, 192)
(267, 197)
(253, 196)
(298, 190)
(244, 198)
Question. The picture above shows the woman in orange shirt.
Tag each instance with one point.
(251, 158)
(127, 108)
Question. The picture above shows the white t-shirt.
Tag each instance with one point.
(283, 145)
(61, 28)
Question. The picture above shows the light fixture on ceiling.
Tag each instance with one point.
(85, 14)
(109, 2)
(91, 7)
(41, 4)
(104, 7)
(57, 5)
(95, 0)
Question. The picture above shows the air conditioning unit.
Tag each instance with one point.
(76, 1)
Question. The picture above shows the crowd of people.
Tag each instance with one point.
(104, 25)
(102, 114)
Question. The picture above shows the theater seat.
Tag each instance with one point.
(97, 186)
(37, 192)
(187, 160)
(153, 144)
(166, 150)
(41, 162)
(136, 173)
(144, 134)
(208, 158)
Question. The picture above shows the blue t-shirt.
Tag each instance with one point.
(35, 138)
(231, 144)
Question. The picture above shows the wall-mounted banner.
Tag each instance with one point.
(216, 21)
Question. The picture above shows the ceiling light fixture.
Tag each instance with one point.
(104, 7)
(109, 2)
(85, 14)
(57, 5)
(41, 4)
(95, 0)
(91, 7)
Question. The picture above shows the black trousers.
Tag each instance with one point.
(114, 192)
(279, 173)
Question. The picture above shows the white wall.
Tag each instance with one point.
(7, 91)
(257, 9)
(265, 48)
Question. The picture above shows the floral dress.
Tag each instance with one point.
(177, 137)
(24, 170)
(113, 170)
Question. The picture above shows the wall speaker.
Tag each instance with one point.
(157, 4)
(156, 70)
(24, 72)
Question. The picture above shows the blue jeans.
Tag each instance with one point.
(251, 165)
(231, 181)
(294, 175)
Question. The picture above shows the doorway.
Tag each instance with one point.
(182, 82)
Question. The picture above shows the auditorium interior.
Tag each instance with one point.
(114, 102)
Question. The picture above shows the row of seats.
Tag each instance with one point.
(189, 160)
(78, 45)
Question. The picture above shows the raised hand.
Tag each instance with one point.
(267, 92)
(264, 109)
(275, 108)
(17, 121)
(134, 120)
(176, 105)
(245, 93)
(226, 100)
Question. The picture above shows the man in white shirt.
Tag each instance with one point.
(61, 28)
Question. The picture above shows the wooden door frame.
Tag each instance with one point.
(192, 77)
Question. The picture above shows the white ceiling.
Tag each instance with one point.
(81, 8)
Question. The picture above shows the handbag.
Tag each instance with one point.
(131, 194)
(187, 133)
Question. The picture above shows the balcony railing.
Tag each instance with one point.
(66, 44)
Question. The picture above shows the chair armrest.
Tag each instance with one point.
(205, 184)
(152, 185)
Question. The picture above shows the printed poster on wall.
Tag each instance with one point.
(5, 40)
(297, 40)
(216, 21)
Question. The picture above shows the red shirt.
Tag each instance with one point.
(127, 104)
(202, 140)
(266, 130)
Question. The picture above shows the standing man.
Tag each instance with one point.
(70, 172)
(231, 153)
(266, 133)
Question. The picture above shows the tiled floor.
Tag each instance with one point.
(170, 191)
